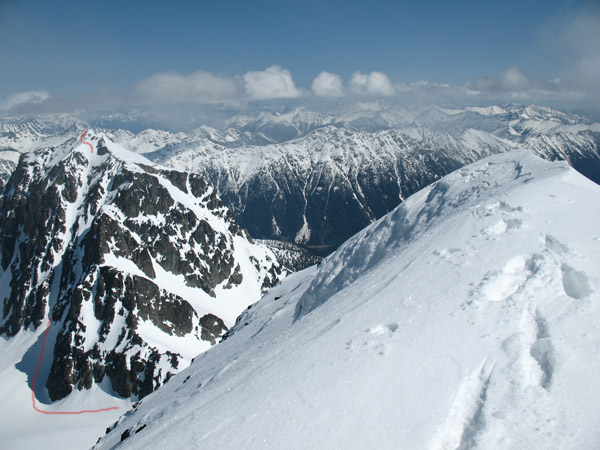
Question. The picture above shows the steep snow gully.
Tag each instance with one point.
(85, 142)
(37, 369)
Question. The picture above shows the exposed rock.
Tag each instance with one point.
(110, 246)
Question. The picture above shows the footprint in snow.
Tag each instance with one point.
(450, 255)
(508, 220)
(534, 350)
(498, 286)
(376, 339)
(554, 245)
(575, 283)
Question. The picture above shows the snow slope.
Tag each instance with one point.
(23, 428)
(465, 318)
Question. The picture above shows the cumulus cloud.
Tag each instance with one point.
(273, 82)
(196, 87)
(328, 85)
(21, 99)
(375, 83)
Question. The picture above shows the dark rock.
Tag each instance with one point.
(212, 328)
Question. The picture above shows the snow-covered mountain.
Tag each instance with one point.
(26, 134)
(316, 178)
(465, 318)
(138, 268)
(278, 127)
(322, 188)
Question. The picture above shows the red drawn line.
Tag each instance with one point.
(86, 143)
(36, 374)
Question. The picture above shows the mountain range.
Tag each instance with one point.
(137, 268)
(128, 265)
(316, 178)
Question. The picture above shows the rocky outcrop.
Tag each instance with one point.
(117, 252)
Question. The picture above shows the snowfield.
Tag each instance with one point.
(465, 318)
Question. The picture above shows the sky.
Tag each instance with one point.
(60, 56)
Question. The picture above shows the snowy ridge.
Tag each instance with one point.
(28, 134)
(466, 318)
(457, 193)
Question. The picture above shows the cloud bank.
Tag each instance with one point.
(196, 87)
(23, 99)
(571, 42)
(580, 37)
(514, 83)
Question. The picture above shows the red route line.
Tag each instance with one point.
(33, 387)
(37, 369)
(86, 143)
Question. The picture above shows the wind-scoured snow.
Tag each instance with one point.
(464, 319)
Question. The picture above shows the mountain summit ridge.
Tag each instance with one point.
(465, 318)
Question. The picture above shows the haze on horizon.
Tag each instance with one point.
(105, 56)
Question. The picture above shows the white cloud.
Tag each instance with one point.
(571, 42)
(174, 88)
(273, 82)
(328, 85)
(375, 83)
(24, 98)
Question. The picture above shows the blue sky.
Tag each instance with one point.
(108, 49)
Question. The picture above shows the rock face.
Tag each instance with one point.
(138, 267)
